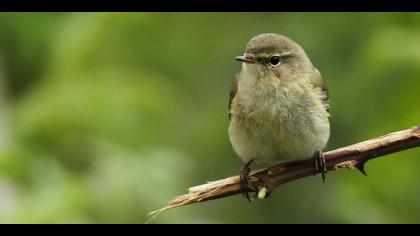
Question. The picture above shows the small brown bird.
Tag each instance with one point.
(278, 106)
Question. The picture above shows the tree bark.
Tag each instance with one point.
(354, 156)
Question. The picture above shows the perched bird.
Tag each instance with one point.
(278, 106)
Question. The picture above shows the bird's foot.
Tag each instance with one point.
(320, 164)
(245, 181)
(262, 190)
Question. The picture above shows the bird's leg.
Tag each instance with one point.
(320, 164)
(245, 180)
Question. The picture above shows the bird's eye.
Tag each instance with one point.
(274, 60)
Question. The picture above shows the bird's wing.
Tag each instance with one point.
(319, 82)
(232, 93)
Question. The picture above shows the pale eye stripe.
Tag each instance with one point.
(267, 55)
(263, 57)
(257, 55)
(284, 54)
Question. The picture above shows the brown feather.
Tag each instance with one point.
(319, 82)
(232, 93)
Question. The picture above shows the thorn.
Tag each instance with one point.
(361, 167)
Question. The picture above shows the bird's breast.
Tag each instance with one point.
(275, 122)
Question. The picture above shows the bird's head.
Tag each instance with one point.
(268, 55)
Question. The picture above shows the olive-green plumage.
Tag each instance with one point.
(278, 105)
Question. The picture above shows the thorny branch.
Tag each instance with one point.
(347, 157)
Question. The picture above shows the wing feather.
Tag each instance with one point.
(232, 93)
(319, 82)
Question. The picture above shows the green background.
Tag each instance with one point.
(105, 117)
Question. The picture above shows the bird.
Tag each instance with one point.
(278, 107)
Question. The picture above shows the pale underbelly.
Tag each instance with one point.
(277, 140)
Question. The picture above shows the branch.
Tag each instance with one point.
(347, 157)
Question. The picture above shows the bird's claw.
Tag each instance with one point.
(320, 164)
(261, 190)
(245, 180)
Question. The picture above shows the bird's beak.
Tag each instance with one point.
(246, 59)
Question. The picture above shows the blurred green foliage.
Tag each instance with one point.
(105, 117)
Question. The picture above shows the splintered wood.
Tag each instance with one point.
(347, 157)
